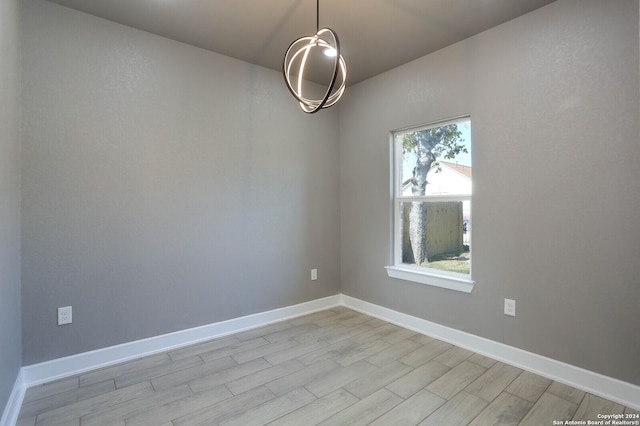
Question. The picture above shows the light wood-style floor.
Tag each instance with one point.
(335, 367)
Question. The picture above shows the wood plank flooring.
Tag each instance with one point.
(335, 367)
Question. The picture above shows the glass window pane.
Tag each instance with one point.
(434, 236)
(435, 160)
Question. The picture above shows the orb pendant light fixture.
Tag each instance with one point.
(296, 60)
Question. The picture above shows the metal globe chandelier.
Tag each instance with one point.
(296, 61)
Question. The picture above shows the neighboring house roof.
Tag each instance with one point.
(449, 178)
(465, 170)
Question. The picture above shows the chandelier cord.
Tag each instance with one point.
(317, 15)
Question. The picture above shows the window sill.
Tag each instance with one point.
(431, 277)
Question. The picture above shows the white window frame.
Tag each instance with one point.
(419, 274)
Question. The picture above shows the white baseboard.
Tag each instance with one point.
(12, 409)
(86, 361)
(594, 383)
(597, 384)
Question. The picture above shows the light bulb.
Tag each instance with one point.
(330, 52)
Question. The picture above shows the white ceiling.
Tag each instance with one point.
(375, 35)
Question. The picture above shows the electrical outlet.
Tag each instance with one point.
(314, 274)
(510, 307)
(65, 315)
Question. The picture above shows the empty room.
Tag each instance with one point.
(301, 212)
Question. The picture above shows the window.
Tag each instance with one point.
(432, 205)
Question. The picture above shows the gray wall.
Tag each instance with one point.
(164, 186)
(553, 98)
(10, 317)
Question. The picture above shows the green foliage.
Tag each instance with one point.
(437, 141)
